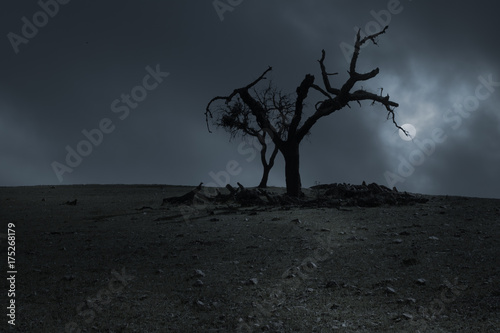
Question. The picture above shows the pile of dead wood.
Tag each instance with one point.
(363, 195)
(239, 195)
(332, 195)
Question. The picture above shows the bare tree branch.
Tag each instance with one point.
(302, 91)
(343, 96)
(227, 99)
(359, 43)
(324, 74)
(282, 119)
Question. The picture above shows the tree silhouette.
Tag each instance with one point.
(236, 118)
(334, 99)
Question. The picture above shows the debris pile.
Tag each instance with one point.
(332, 195)
(363, 195)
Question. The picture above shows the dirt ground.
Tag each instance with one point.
(117, 261)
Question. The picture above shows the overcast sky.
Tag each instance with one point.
(72, 71)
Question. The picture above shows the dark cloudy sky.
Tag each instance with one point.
(438, 59)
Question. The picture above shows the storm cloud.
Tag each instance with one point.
(67, 66)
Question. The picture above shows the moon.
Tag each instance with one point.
(412, 131)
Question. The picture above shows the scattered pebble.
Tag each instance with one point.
(420, 281)
(407, 316)
(251, 282)
(311, 264)
(390, 290)
(199, 272)
(198, 283)
(433, 238)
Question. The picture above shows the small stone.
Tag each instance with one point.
(199, 272)
(420, 281)
(390, 290)
(311, 264)
(251, 282)
(296, 221)
(407, 316)
(397, 241)
(309, 290)
(433, 238)
(325, 229)
(198, 283)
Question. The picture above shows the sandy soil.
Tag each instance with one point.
(118, 261)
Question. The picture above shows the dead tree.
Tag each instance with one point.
(236, 118)
(334, 99)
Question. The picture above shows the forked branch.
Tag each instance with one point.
(227, 99)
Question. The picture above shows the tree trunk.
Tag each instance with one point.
(267, 166)
(265, 176)
(292, 175)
